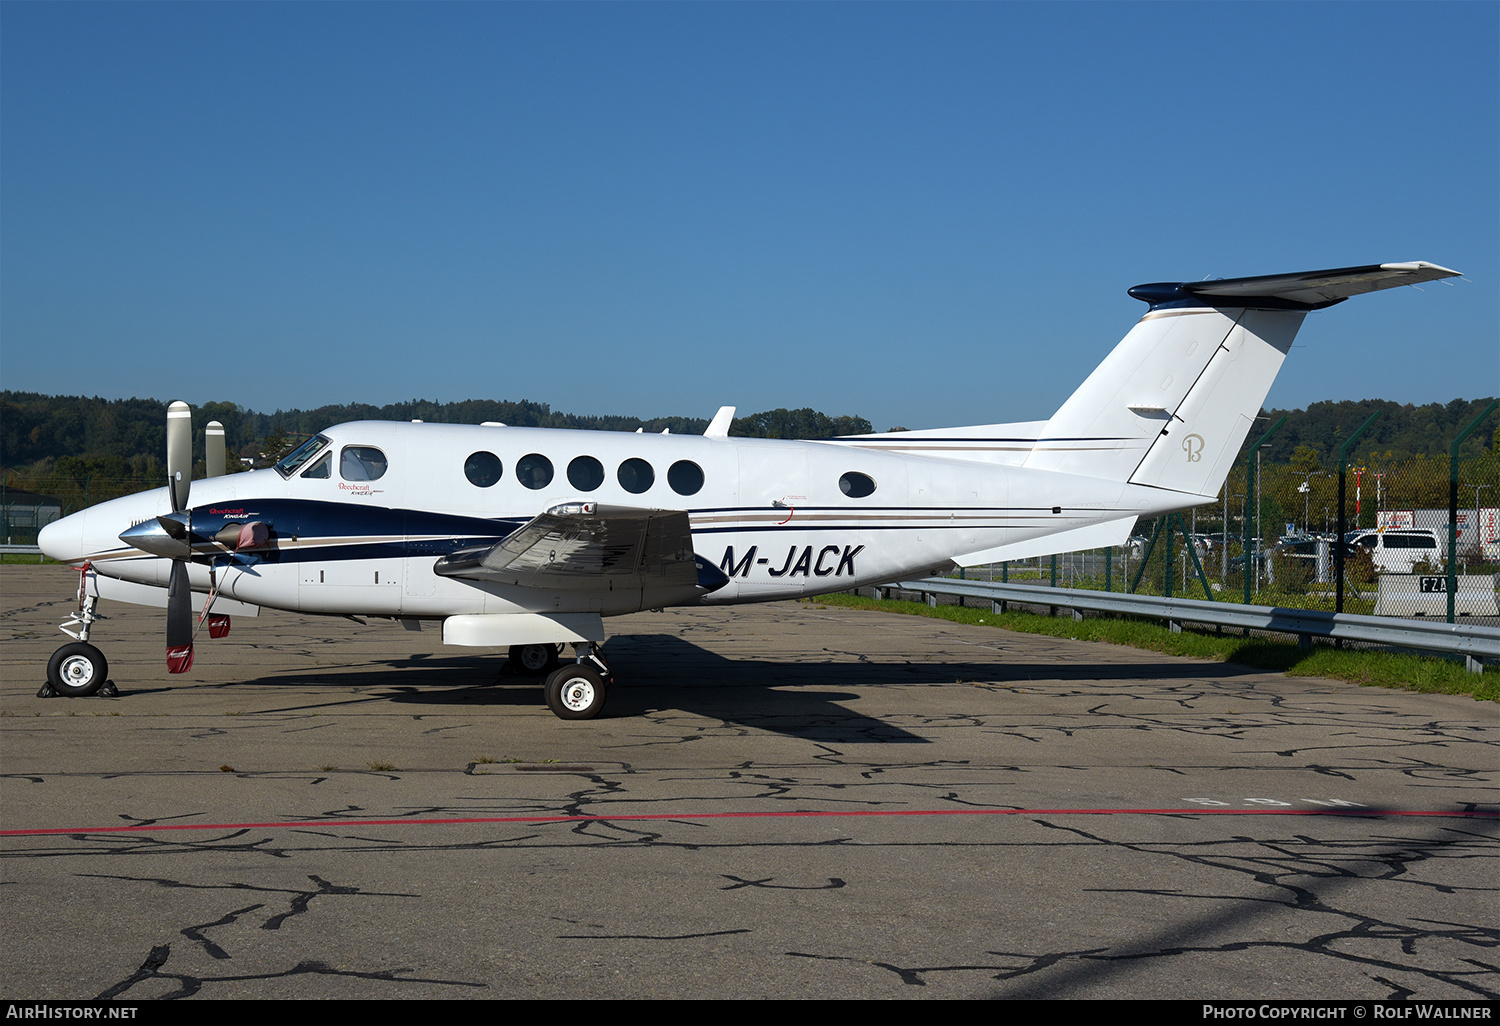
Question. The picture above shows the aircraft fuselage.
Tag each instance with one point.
(772, 516)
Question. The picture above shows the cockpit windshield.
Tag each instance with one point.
(300, 455)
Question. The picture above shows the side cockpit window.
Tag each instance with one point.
(361, 463)
(322, 468)
(300, 455)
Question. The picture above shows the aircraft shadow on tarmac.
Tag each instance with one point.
(810, 700)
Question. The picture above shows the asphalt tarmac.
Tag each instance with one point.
(779, 801)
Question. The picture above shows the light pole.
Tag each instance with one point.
(1306, 489)
(1478, 535)
(1260, 527)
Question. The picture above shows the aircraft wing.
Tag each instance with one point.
(587, 545)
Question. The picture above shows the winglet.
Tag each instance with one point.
(719, 426)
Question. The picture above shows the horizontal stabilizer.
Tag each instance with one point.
(1094, 536)
(1302, 290)
(1004, 444)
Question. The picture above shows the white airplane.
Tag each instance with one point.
(528, 538)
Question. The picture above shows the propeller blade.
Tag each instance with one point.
(179, 620)
(213, 448)
(179, 453)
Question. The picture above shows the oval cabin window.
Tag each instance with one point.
(483, 469)
(856, 485)
(585, 473)
(361, 463)
(636, 476)
(534, 471)
(685, 477)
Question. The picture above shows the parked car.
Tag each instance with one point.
(1397, 550)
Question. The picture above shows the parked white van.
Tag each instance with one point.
(1397, 550)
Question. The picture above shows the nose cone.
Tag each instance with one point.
(62, 540)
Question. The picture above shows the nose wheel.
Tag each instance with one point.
(77, 671)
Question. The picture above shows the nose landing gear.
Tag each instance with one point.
(79, 669)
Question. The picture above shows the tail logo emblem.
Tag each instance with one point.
(1193, 446)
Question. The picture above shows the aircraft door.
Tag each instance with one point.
(774, 481)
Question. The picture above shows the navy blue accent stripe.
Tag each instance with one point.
(855, 510)
(866, 527)
(310, 520)
(976, 438)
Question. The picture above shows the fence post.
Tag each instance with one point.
(1198, 567)
(1453, 505)
(1249, 489)
(1135, 582)
(1166, 557)
(1338, 552)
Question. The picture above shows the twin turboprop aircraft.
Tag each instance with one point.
(527, 538)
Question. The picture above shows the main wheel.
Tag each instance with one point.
(77, 670)
(534, 660)
(575, 691)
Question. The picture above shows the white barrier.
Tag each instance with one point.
(1427, 595)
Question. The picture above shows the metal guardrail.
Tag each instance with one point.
(21, 550)
(1474, 643)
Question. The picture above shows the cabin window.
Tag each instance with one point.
(685, 477)
(636, 476)
(361, 463)
(585, 473)
(321, 469)
(856, 485)
(534, 471)
(483, 469)
(300, 455)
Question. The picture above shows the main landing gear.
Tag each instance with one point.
(576, 691)
(533, 660)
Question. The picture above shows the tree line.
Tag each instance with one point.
(83, 449)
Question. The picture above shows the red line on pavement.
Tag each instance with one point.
(786, 814)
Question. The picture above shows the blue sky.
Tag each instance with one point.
(926, 214)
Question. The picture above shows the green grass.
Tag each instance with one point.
(1380, 669)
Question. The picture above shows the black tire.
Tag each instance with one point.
(575, 691)
(533, 660)
(77, 670)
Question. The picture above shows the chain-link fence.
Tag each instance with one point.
(1402, 551)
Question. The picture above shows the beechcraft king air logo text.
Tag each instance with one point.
(830, 561)
(1193, 446)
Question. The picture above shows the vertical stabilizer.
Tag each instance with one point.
(1195, 449)
(1214, 366)
(1171, 405)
